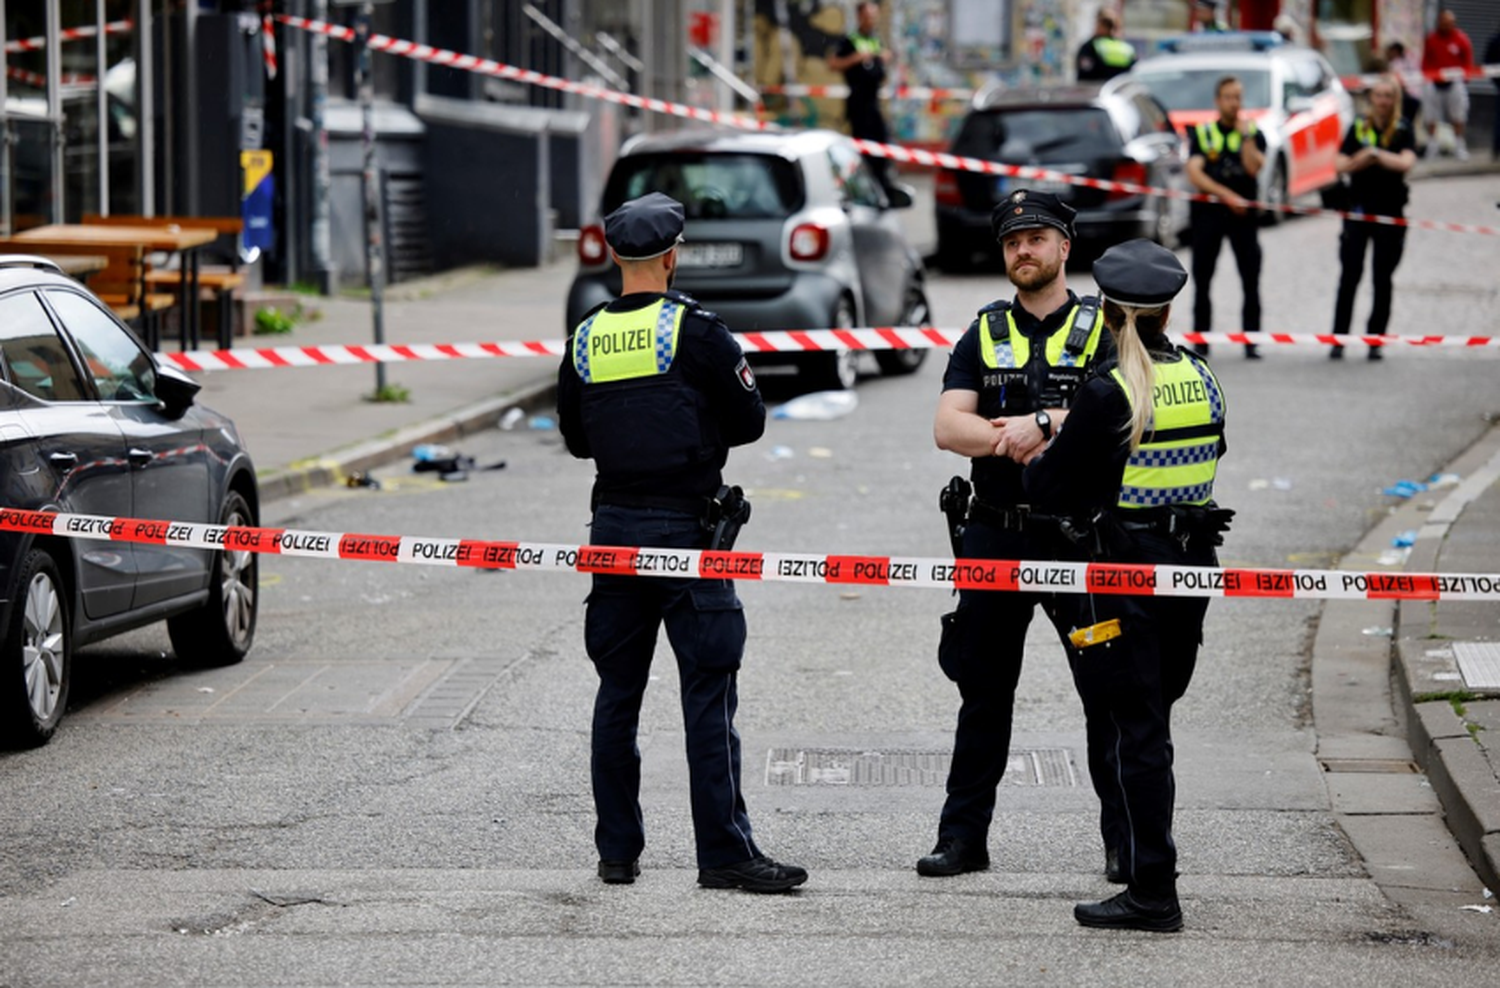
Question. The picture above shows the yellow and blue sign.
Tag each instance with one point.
(256, 200)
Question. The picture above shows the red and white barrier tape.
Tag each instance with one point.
(931, 94)
(793, 567)
(40, 81)
(780, 341)
(1415, 79)
(68, 34)
(485, 66)
(894, 152)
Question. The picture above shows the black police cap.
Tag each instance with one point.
(1139, 273)
(644, 228)
(1027, 210)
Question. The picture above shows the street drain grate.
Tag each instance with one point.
(864, 767)
(1479, 662)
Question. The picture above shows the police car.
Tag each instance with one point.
(1291, 92)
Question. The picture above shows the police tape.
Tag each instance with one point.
(791, 567)
(894, 152)
(930, 94)
(778, 341)
(67, 34)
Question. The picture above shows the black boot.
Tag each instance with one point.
(954, 856)
(1126, 912)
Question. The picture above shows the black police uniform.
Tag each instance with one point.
(1212, 222)
(984, 639)
(1128, 685)
(862, 106)
(1373, 191)
(660, 443)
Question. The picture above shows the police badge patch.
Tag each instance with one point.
(745, 374)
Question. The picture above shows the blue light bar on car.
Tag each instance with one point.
(1221, 41)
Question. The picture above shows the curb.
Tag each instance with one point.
(1425, 676)
(332, 469)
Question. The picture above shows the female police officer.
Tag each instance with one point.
(1134, 468)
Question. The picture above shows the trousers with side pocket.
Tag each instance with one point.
(705, 626)
(1128, 686)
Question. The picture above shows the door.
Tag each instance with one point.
(169, 475)
(879, 247)
(77, 458)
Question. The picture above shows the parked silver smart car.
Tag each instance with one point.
(784, 231)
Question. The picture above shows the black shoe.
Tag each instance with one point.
(1376, 353)
(619, 872)
(1112, 872)
(1123, 912)
(759, 874)
(1337, 353)
(953, 856)
(1201, 349)
(1252, 352)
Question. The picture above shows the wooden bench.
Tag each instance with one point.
(219, 282)
(120, 284)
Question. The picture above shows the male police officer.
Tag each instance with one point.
(1227, 153)
(1105, 55)
(655, 390)
(862, 59)
(1009, 382)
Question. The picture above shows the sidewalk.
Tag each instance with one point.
(309, 427)
(1448, 654)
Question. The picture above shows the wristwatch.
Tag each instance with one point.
(1044, 422)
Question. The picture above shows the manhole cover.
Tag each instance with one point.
(1479, 662)
(865, 767)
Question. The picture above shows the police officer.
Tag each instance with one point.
(862, 58)
(1134, 471)
(1007, 389)
(1378, 152)
(1226, 155)
(655, 390)
(1105, 55)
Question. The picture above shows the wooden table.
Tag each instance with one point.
(164, 239)
(79, 266)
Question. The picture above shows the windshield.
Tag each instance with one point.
(1052, 134)
(710, 186)
(1193, 89)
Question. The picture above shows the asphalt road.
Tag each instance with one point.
(393, 787)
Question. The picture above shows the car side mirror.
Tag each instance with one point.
(900, 196)
(174, 389)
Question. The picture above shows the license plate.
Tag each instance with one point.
(1004, 185)
(710, 255)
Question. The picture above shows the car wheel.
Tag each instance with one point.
(1276, 195)
(220, 632)
(916, 313)
(38, 663)
(836, 370)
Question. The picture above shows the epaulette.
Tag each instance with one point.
(682, 298)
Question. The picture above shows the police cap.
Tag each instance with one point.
(1027, 210)
(644, 228)
(1139, 273)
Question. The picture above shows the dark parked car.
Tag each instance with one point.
(1123, 135)
(91, 424)
(784, 231)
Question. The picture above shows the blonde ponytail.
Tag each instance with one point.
(1135, 364)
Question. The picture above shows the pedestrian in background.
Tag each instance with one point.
(1378, 152)
(1447, 47)
(1134, 469)
(1106, 54)
(1226, 154)
(1205, 17)
(862, 59)
(655, 390)
(1010, 380)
